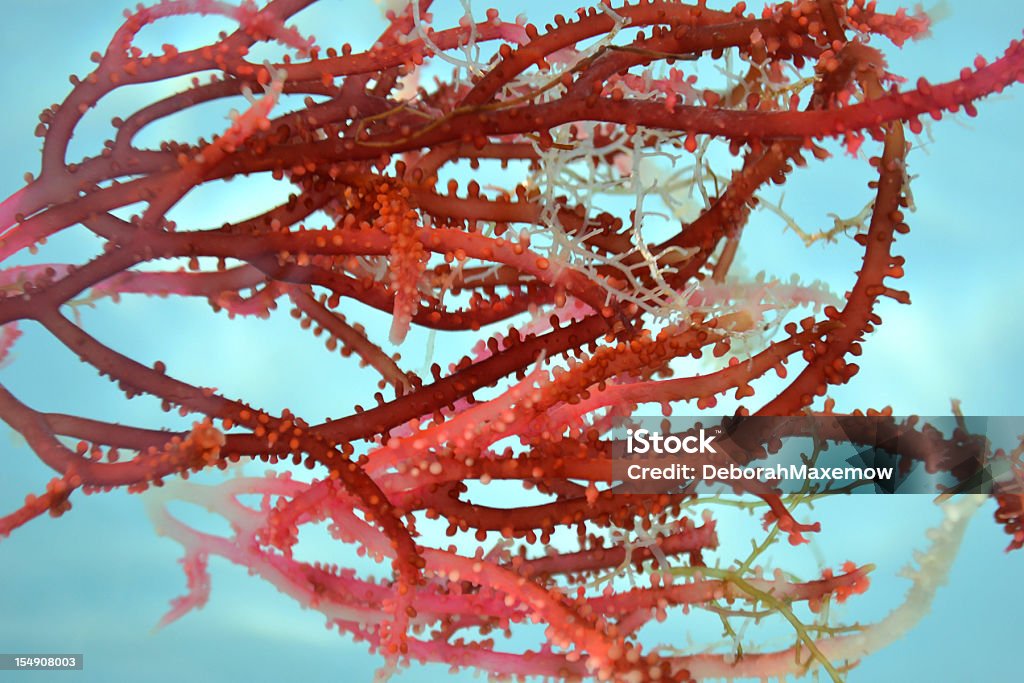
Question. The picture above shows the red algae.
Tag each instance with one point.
(586, 318)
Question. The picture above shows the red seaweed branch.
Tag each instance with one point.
(583, 302)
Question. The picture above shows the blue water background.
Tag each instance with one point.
(97, 580)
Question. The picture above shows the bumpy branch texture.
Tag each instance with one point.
(585, 302)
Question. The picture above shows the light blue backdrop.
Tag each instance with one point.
(97, 580)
